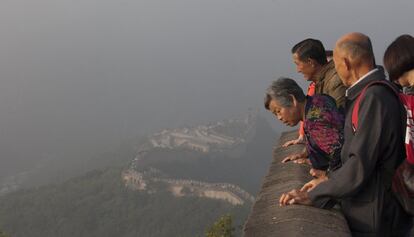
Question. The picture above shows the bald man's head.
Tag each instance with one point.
(353, 57)
(357, 47)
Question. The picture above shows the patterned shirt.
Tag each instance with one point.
(324, 131)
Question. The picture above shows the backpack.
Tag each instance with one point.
(402, 184)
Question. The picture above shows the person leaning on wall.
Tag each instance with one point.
(323, 122)
(370, 154)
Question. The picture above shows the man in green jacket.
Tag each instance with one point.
(310, 59)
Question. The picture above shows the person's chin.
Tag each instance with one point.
(290, 124)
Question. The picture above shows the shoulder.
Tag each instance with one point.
(333, 84)
(324, 101)
(334, 80)
(322, 98)
(330, 72)
(381, 90)
(383, 96)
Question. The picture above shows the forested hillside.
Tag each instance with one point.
(98, 204)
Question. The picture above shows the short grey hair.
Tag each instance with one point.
(282, 91)
(358, 50)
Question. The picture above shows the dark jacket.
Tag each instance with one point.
(328, 82)
(369, 158)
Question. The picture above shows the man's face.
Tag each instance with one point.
(341, 67)
(288, 115)
(306, 68)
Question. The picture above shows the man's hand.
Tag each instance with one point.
(299, 140)
(313, 183)
(295, 197)
(317, 173)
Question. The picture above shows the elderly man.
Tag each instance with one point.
(370, 154)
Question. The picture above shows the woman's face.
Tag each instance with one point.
(288, 115)
(406, 79)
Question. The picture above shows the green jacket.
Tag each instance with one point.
(328, 82)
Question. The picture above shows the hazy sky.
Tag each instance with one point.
(83, 75)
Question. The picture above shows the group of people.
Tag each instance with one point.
(352, 166)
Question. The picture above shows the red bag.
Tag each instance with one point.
(403, 179)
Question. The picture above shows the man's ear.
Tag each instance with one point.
(295, 102)
(312, 62)
(347, 63)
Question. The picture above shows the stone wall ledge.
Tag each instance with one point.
(267, 218)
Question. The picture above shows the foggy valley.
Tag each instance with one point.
(85, 83)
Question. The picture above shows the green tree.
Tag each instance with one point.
(223, 227)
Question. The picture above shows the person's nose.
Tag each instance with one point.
(279, 117)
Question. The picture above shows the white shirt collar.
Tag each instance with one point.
(360, 79)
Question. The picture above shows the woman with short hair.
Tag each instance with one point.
(399, 61)
(323, 121)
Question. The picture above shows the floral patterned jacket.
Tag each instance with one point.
(324, 131)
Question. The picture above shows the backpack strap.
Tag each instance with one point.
(355, 110)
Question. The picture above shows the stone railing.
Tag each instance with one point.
(268, 219)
